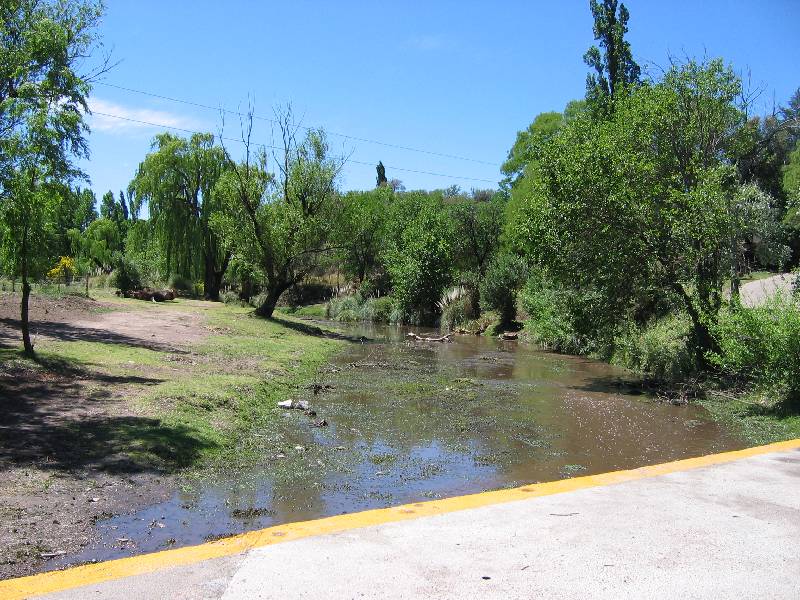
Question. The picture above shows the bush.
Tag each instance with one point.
(346, 308)
(762, 345)
(568, 319)
(457, 308)
(499, 286)
(377, 310)
(181, 284)
(661, 349)
(125, 276)
(230, 297)
(306, 293)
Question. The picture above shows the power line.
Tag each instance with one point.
(268, 120)
(344, 158)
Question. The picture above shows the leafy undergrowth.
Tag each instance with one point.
(759, 419)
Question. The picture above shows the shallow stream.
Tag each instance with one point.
(410, 421)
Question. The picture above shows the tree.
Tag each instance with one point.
(280, 226)
(42, 103)
(478, 227)
(419, 257)
(381, 179)
(360, 231)
(640, 203)
(522, 152)
(177, 181)
(99, 243)
(614, 67)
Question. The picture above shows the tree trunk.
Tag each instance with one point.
(87, 284)
(274, 292)
(212, 278)
(24, 324)
(702, 338)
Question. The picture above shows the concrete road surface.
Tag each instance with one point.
(726, 526)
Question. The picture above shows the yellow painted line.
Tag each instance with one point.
(25, 587)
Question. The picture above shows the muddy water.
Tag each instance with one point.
(415, 421)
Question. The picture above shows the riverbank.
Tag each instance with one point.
(127, 402)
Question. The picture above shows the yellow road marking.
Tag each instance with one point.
(25, 587)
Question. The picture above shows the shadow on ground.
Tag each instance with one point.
(308, 329)
(66, 332)
(57, 415)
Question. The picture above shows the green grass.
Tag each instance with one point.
(314, 311)
(205, 407)
(757, 419)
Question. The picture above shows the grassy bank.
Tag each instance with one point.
(198, 404)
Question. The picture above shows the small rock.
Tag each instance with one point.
(321, 423)
(285, 404)
(94, 499)
(280, 456)
(300, 448)
(302, 404)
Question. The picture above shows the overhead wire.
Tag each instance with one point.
(236, 140)
(306, 128)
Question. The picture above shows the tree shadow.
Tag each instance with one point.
(307, 329)
(57, 417)
(66, 332)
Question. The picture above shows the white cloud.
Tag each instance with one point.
(111, 117)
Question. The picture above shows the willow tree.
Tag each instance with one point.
(281, 225)
(177, 182)
(43, 47)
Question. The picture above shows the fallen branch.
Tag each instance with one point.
(418, 338)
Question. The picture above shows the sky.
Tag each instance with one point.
(445, 80)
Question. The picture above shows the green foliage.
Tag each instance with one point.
(177, 182)
(614, 68)
(457, 309)
(523, 152)
(791, 187)
(506, 272)
(660, 349)
(762, 345)
(280, 228)
(561, 319)
(356, 308)
(640, 202)
(99, 243)
(360, 230)
(181, 284)
(477, 230)
(419, 258)
(125, 276)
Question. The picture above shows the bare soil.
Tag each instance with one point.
(64, 430)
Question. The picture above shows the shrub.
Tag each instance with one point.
(377, 310)
(125, 276)
(230, 297)
(661, 349)
(181, 284)
(306, 293)
(499, 286)
(346, 308)
(762, 345)
(457, 308)
(561, 319)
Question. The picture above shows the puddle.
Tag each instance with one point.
(410, 422)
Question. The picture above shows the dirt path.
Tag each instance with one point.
(65, 429)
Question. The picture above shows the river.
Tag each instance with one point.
(410, 421)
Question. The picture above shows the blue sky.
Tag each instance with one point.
(456, 78)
